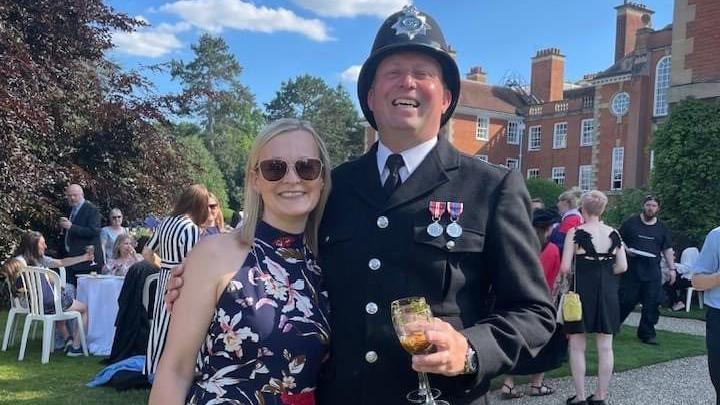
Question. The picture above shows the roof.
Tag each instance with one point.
(621, 67)
(488, 97)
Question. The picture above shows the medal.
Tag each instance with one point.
(437, 209)
(455, 209)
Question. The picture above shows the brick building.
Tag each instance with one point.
(595, 133)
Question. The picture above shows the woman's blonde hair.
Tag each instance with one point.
(572, 197)
(219, 218)
(253, 209)
(119, 241)
(11, 269)
(594, 202)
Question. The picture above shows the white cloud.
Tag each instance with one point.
(215, 15)
(150, 41)
(350, 75)
(351, 8)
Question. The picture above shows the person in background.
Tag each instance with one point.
(81, 231)
(643, 281)
(599, 257)
(123, 256)
(108, 234)
(31, 252)
(554, 353)
(570, 216)
(706, 278)
(536, 203)
(253, 301)
(173, 239)
(236, 220)
(215, 222)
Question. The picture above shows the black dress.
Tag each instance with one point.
(597, 286)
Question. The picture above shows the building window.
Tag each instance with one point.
(587, 132)
(512, 163)
(620, 104)
(513, 134)
(560, 135)
(616, 174)
(585, 177)
(558, 176)
(533, 173)
(534, 136)
(588, 101)
(484, 158)
(662, 83)
(481, 131)
(652, 159)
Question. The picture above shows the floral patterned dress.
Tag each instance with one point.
(270, 332)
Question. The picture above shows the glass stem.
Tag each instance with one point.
(424, 388)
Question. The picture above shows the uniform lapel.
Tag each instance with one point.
(367, 179)
(431, 173)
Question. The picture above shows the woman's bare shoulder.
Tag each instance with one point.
(218, 254)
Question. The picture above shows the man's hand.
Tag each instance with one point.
(174, 284)
(65, 223)
(450, 351)
(672, 276)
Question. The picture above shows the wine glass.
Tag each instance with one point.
(411, 317)
(91, 250)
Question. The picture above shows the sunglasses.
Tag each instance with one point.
(116, 217)
(212, 206)
(275, 169)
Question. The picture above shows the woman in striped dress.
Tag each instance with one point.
(172, 241)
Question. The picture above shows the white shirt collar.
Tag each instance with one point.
(412, 157)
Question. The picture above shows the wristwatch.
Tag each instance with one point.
(471, 361)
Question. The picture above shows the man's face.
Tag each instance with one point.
(408, 95)
(74, 195)
(650, 209)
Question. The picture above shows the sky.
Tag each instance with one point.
(275, 41)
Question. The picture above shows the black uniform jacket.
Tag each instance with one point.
(85, 231)
(487, 283)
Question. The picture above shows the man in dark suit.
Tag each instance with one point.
(414, 217)
(81, 228)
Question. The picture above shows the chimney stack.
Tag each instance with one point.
(476, 74)
(630, 18)
(548, 69)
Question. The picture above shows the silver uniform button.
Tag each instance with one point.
(374, 264)
(371, 357)
(382, 222)
(371, 308)
(450, 244)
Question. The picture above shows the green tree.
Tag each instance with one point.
(687, 171)
(330, 110)
(226, 109)
(204, 168)
(621, 206)
(67, 114)
(545, 189)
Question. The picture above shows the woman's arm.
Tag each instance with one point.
(568, 252)
(620, 265)
(191, 316)
(69, 261)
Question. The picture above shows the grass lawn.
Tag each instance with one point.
(695, 313)
(630, 353)
(62, 380)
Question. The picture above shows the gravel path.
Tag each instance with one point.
(677, 382)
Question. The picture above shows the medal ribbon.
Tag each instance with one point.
(455, 209)
(437, 208)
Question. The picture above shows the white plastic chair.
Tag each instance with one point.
(32, 281)
(688, 258)
(146, 291)
(16, 308)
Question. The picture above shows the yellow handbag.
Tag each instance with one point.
(571, 304)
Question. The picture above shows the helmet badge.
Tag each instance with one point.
(411, 23)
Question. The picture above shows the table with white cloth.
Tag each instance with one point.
(100, 294)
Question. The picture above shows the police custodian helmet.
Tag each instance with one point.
(409, 30)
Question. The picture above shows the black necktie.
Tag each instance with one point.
(393, 163)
